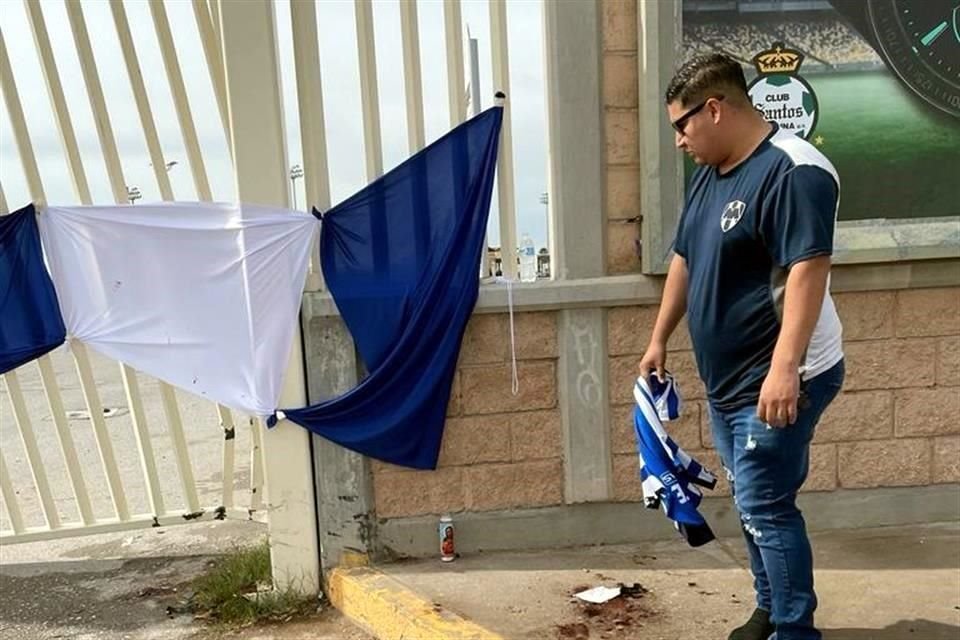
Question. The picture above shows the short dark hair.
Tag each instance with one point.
(706, 75)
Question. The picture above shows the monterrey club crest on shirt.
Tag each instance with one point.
(731, 215)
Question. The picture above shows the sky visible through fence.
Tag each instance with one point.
(341, 87)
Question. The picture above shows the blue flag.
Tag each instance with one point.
(30, 320)
(401, 259)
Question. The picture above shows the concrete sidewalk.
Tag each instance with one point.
(118, 586)
(893, 583)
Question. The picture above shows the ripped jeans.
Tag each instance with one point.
(766, 467)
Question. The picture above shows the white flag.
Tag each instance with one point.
(204, 296)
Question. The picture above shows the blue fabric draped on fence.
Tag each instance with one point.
(30, 320)
(401, 259)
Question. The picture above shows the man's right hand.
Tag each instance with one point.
(654, 360)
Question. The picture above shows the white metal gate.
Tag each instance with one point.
(121, 466)
(59, 479)
(127, 450)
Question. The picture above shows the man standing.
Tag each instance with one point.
(751, 270)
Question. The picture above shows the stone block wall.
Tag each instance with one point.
(896, 422)
(500, 450)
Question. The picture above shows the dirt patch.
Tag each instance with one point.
(573, 631)
(617, 618)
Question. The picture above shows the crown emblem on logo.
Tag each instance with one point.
(778, 59)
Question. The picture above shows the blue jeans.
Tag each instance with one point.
(766, 467)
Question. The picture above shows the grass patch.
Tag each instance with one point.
(238, 591)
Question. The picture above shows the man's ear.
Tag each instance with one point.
(715, 110)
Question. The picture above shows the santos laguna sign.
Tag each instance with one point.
(780, 94)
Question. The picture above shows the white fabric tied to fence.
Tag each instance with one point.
(204, 296)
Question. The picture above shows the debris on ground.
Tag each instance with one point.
(636, 590)
(606, 612)
(598, 595)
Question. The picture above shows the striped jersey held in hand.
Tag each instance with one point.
(669, 476)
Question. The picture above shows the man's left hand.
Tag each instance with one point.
(778, 397)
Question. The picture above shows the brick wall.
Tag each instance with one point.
(896, 422)
(499, 450)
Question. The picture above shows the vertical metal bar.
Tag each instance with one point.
(192, 145)
(149, 127)
(373, 145)
(29, 439)
(370, 100)
(104, 446)
(118, 184)
(474, 56)
(10, 498)
(228, 454)
(98, 105)
(505, 190)
(35, 184)
(475, 98)
(19, 125)
(313, 138)
(178, 90)
(67, 446)
(148, 462)
(181, 454)
(256, 464)
(214, 55)
(57, 100)
(147, 121)
(227, 466)
(215, 20)
(453, 30)
(413, 86)
(413, 91)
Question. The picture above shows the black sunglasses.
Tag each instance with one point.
(681, 123)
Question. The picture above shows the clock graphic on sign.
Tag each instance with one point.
(919, 40)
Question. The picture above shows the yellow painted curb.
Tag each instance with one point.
(390, 611)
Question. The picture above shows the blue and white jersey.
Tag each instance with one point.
(668, 475)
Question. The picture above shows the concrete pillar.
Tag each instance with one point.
(344, 483)
(661, 167)
(573, 60)
(260, 161)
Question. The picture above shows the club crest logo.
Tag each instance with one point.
(780, 94)
(732, 214)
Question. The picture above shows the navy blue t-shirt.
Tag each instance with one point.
(740, 233)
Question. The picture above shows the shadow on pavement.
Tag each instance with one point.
(903, 630)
